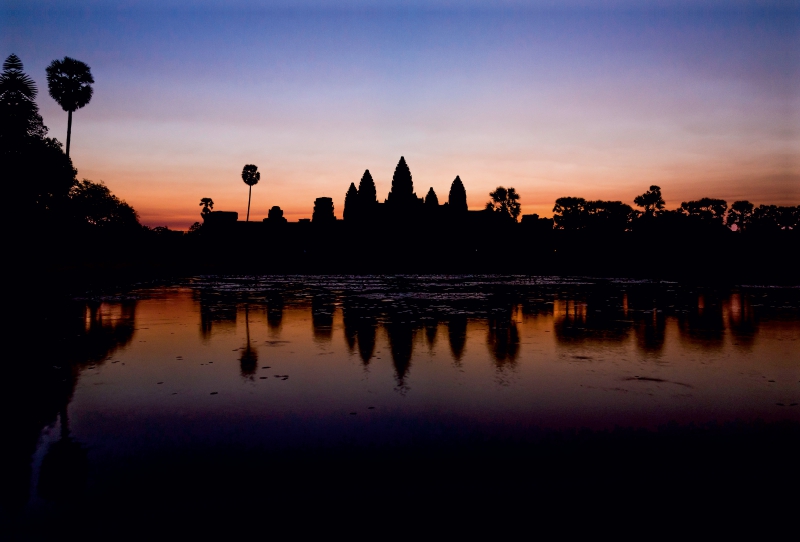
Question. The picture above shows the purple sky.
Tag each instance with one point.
(700, 98)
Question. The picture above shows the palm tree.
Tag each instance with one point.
(250, 176)
(69, 82)
(505, 201)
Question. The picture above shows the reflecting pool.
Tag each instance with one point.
(257, 365)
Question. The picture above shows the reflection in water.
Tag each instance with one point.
(360, 322)
(503, 338)
(274, 311)
(216, 310)
(457, 333)
(650, 332)
(703, 323)
(742, 321)
(431, 329)
(65, 467)
(577, 322)
(350, 322)
(249, 360)
(401, 345)
(622, 324)
(69, 339)
(322, 307)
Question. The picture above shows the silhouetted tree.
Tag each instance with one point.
(69, 82)
(402, 193)
(504, 201)
(93, 204)
(250, 176)
(570, 213)
(651, 201)
(351, 203)
(608, 215)
(431, 198)
(457, 198)
(18, 110)
(207, 204)
(773, 218)
(706, 209)
(740, 215)
(42, 174)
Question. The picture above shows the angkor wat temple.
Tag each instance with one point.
(403, 232)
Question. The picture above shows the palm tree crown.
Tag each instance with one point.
(69, 82)
(250, 176)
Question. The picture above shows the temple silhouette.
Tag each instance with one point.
(404, 232)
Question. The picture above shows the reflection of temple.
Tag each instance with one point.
(322, 307)
(457, 333)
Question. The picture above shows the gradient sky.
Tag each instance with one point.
(590, 99)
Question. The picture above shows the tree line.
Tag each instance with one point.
(576, 214)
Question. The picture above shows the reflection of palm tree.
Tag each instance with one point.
(70, 81)
(250, 176)
(249, 360)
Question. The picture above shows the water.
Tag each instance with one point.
(286, 365)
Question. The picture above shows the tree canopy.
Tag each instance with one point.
(93, 204)
(740, 215)
(505, 201)
(651, 201)
(705, 209)
(18, 110)
(41, 175)
(70, 83)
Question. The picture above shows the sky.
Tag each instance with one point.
(572, 98)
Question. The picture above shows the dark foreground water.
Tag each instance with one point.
(346, 402)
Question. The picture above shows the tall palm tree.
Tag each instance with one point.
(250, 176)
(69, 81)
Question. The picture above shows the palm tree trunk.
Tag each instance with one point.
(69, 130)
(249, 195)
